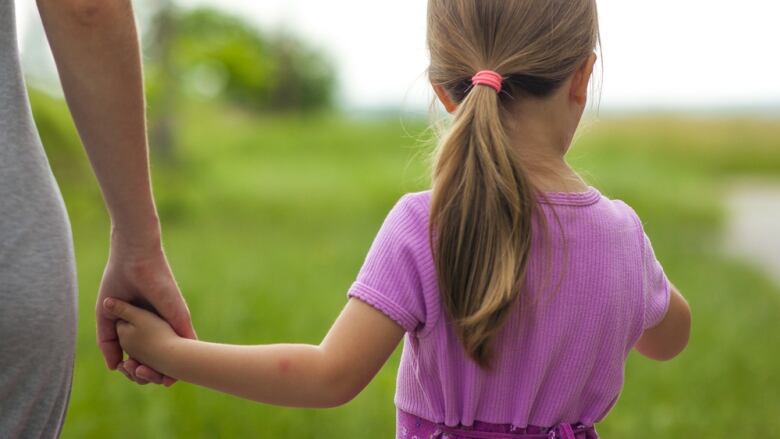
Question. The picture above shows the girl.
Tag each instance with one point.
(513, 328)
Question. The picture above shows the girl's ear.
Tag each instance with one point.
(579, 83)
(445, 99)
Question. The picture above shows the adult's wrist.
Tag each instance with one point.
(139, 236)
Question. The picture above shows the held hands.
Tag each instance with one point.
(137, 271)
(142, 334)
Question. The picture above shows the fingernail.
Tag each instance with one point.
(109, 303)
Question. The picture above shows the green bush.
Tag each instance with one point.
(209, 52)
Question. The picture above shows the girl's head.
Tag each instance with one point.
(483, 198)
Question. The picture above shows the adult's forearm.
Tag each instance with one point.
(293, 375)
(95, 46)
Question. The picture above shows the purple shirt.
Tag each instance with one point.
(560, 360)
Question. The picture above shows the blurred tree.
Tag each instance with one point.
(218, 54)
(211, 53)
(303, 79)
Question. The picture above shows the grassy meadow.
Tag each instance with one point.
(267, 221)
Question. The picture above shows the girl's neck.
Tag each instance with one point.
(541, 138)
(555, 176)
(544, 162)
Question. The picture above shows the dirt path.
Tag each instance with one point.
(753, 224)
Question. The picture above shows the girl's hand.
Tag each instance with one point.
(142, 334)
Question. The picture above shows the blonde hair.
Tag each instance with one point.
(483, 203)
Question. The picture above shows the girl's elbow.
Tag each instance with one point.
(685, 329)
(668, 340)
(685, 321)
(339, 387)
(341, 393)
(339, 382)
(679, 342)
(670, 354)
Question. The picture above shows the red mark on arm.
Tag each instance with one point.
(284, 365)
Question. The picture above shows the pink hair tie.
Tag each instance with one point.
(489, 78)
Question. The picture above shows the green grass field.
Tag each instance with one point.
(267, 221)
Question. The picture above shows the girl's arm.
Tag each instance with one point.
(296, 375)
(666, 340)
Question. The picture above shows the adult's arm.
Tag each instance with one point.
(95, 45)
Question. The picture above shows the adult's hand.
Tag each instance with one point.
(138, 272)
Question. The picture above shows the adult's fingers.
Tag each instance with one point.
(121, 368)
(107, 339)
(149, 374)
(173, 309)
(131, 366)
(168, 381)
(124, 372)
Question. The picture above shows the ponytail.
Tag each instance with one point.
(483, 205)
(480, 227)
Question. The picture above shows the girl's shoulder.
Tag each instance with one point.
(414, 207)
(624, 210)
(421, 199)
(407, 221)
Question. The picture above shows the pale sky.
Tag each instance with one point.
(660, 54)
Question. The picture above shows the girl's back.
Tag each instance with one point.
(561, 354)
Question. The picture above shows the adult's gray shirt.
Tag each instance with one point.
(37, 272)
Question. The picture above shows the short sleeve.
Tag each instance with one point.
(389, 279)
(656, 286)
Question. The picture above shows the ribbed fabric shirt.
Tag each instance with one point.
(561, 355)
